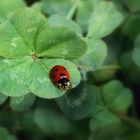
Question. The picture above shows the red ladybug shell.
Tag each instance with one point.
(60, 77)
(57, 72)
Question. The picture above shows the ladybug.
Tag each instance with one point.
(59, 76)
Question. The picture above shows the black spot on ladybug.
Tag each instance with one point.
(62, 74)
(64, 68)
(56, 69)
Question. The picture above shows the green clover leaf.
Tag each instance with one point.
(3, 98)
(22, 103)
(79, 103)
(57, 20)
(47, 118)
(29, 48)
(8, 6)
(136, 51)
(4, 134)
(105, 18)
(95, 55)
(61, 7)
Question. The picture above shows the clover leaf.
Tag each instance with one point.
(79, 102)
(61, 7)
(112, 100)
(103, 118)
(133, 6)
(136, 51)
(131, 28)
(22, 103)
(3, 98)
(51, 122)
(7, 6)
(57, 20)
(84, 11)
(95, 55)
(100, 25)
(116, 96)
(29, 48)
(4, 134)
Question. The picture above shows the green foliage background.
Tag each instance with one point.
(98, 41)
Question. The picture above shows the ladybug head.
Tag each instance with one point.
(63, 84)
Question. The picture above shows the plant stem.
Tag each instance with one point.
(108, 67)
(131, 121)
(72, 10)
(128, 119)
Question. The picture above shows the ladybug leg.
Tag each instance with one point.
(58, 84)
